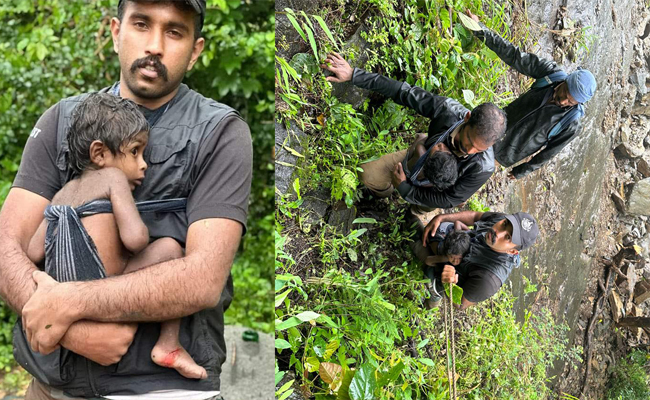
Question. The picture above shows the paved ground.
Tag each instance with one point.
(248, 373)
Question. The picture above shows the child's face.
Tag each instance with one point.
(455, 259)
(131, 161)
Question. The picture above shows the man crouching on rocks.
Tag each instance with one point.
(494, 249)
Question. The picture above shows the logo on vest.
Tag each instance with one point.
(35, 132)
(526, 224)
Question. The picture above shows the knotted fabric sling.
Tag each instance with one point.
(70, 253)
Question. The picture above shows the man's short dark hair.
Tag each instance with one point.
(441, 169)
(489, 122)
(456, 243)
(181, 5)
(101, 116)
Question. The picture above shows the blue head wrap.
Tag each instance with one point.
(582, 85)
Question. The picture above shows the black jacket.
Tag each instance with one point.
(530, 119)
(473, 171)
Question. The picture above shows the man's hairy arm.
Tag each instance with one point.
(172, 289)
(20, 216)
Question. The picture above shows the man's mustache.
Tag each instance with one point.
(152, 61)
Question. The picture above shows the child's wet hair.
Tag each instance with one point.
(457, 243)
(101, 116)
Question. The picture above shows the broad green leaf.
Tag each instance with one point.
(426, 361)
(289, 323)
(352, 254)
(468, 95)
(363, 384)
(344, 390)
(307, 316)
(469, 23)
(312, 364)
(285, 387)
(279, 299)
(282, 344)
(331, 348)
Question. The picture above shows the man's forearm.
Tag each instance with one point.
(16, 283)
(466, 217)
(169, 290)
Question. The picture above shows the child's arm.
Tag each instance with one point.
(36, 248)
(133, 232)
(459, 226)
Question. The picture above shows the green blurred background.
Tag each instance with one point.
(52, 49)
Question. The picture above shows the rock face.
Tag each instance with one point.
(640, 199)
(248, 373)
(285, 161)
(314, 207)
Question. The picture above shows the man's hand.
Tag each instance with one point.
(47, 315)
(102, 342)
(398, 175)
(472, 16)
(431, 229)
(337, 64)
(449, 275)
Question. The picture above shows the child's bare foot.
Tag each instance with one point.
(179, 359)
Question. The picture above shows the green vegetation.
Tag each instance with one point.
(349, 317)
(54, 49)
(630, 379)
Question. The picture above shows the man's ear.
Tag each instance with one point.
(196, 52)
(98, 153)
(514, 252)
(115, 32)
(469, 114)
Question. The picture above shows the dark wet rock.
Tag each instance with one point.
(638, 78)
(314, 207)
(618, 202)
(642, 106)
(347, 92)
(341, 217)
(287, 40)
(285, 161)
(643, 166)
(248, 373)
(627, 150)
(639, 203)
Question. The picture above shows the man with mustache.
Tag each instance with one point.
(546, 117)
(497, 239)
(93, 339)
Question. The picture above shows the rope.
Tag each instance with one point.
(451, 343)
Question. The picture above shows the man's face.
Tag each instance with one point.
(562, 97)
(468, 142)
(499, 238)
(156, 46)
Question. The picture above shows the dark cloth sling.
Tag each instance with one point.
(70, 253)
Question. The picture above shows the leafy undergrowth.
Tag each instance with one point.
(630, 378)
(349, 317)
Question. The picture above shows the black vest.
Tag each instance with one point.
(171, 152)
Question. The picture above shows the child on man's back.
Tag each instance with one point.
(106, 141)
(449, 244)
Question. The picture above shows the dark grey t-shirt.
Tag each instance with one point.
(220, 178)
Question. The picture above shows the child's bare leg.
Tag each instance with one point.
(168, 351)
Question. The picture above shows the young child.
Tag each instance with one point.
(449, 244)
(106, 141)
